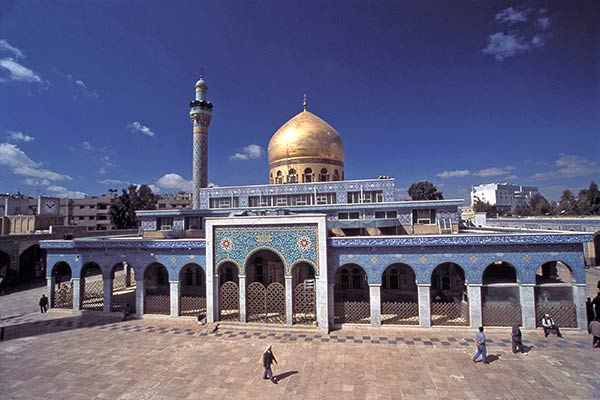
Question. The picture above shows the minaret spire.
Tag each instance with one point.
(200, 114)
(304, 104)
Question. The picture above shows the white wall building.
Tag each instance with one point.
(502, 195)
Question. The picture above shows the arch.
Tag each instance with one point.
(448, 294)
(304, 296)
(62, 295)
(336, 175)
(228, 289)
(351, 295)
(228, 271)
(31, 263)
(323, 175)
(399, 295)
(256, 250)
(192, 293)
(157, 293)
(92, 287)
(292, 176)
(554, 272)
(265, 290)
(279, 178)
(123, 287)
(554, 282)
(307, 176)
(500, 272)
(500, 296)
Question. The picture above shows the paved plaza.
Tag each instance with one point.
(62, 355)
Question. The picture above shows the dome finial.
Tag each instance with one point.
(201, 72)
(304, 103)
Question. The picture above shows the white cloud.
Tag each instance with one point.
(35, 182)
(19, 72)
(113, 182)
(503, 45)
(87, 146)
(538, 41)
(62, 191)
(20, 164)
(249, 152)
(18, 136)
(174, 181)
(454, 174)
(138, 127)
(570, 166)
(102, 171)
(511, 16)
(90, 93)
(544, 23)
(5, 46)
(494, 171)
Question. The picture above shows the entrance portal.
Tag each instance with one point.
(265, 293)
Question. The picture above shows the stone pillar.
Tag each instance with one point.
(76, 293)
(331, 305)
(474, 294)
(242, 280)
(174, 297)
(579, 300)
(289, 293)
(375, 298)
(140, 294)
(527, 295)
(107, 294)
(212, 296)
(424, 305)
(50, 289)
(127, 270)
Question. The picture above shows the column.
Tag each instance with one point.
(76, 294)
(212, 296)
(331, 305)
(174, 296)
(579, 300)
(289, 310)
(424, 306)
(50, 289)
(107, 294)
(527, 295)
(140, 292)
(375, 298)
(127, 270)
(474, 294)
(242, 280)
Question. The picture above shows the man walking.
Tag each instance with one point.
(43, 304)
(268, 359)
(481, 350)
(517, 343)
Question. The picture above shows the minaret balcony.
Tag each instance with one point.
(201, 105)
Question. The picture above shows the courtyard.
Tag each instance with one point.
(63, 355)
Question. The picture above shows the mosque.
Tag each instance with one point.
(313, 248)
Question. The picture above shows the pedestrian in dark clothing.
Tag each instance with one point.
(594, 329)
(517, 343)
(268, 359)
(57, 281)
(589, 310)
(596, 303)
(481, 350)
(43, 304)
(549, 326)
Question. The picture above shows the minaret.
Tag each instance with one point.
(200, 113)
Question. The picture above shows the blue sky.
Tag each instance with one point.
(93, 95)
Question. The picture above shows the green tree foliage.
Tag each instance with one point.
(567, 204)
(424, 191)
(539, 205)
(122, 211)
(482, 206)
(588, 200)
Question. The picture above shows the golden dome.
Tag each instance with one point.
(306, 136)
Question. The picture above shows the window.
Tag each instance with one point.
(336, 175)
(101, 217)
(307, 175)
(224, 202)
(102, 206)
(193, 223)
(292, 178)
(348, 215)
(379, 214)
(424, 216)
(374, 196)
(92, 206)
(279, 180)
(345, 276)
(323, 175)
(164, 223)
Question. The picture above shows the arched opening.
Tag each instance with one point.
(323, 175)
(305, 296)
(596, 255)
(4, 268)
(157, 296)
(449, 305)
(229, 292)
(500, 300)
(292, 176)
(31, 264)
(92, 287)
(351, 295)
(271, 178)
(308, 175)
(279, 178)
(192, 297)
(62, 296)
(399, 296)
(554, 294)
(336, 175)
(265, 290)
(123, 287)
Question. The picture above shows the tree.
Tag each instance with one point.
(539, 205)
(567, 204)
(424, 191)
(482, 206)
(122, 211)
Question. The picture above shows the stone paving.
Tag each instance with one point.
(64, 355)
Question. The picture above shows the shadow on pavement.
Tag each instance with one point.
(492, 357)
(9, 289)
(285, 375)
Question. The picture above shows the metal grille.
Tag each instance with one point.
(63, 298)
(305, 304)
(501, 314)
(229, 302)
(119, 282)
(400, 313)
(120, 299)
(256, 299)
(563, 313)
(265, 304)
(358, 312)
(93, 295)
(193, 306)
(158, 304)
(450, 314)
